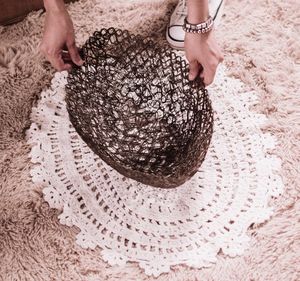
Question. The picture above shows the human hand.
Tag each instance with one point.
(202, 51)
(59, 34)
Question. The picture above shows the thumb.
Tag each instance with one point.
(194, 69)
(74, 54)
(207, 76)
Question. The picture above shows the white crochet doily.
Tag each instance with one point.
(157, 227)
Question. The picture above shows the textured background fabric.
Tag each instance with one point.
(261, 48)
(14, 10)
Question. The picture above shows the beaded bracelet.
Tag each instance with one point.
(201, 27)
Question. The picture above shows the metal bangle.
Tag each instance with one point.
(201, 27)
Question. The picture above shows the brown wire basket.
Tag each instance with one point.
(133, 105)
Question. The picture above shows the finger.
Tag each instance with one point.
(58, 63)
(194, 70)
(55, 58)
(220, 57)
(66, 57)
(74, 54)
(208, 75)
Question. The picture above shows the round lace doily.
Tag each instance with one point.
(159, 227)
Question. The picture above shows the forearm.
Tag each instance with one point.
(54, 5)
(197, 11)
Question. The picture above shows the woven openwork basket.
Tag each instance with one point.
(133, 105)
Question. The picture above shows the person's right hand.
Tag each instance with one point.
(58, 35)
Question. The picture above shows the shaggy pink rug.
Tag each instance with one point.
(261, 48)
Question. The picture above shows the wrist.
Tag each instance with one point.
(197, 17)
(201, 36)
(197, 11)
(200, 28)
(54, 5)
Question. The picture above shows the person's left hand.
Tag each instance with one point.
(202, 50)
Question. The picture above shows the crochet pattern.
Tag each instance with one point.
(133, 104)
(157, 227)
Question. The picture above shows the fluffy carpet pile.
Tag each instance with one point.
(261, 47)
